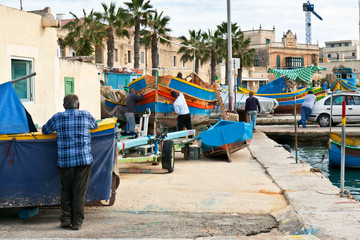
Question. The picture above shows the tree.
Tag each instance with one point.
(235, 32)
(243, 51)
(84, 34)
(115, 22)
(195, 41)
(214, 45)
(158, 27)
(139, 11)
(145, 40)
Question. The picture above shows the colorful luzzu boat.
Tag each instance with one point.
(345, 79)
(352, 151)
(200, 97)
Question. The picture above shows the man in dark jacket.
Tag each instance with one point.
(252, 107)
(130, 111)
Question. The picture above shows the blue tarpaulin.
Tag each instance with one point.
(13, 116)
(29, 175)
(276, 86)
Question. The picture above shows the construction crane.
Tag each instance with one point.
(308, 9)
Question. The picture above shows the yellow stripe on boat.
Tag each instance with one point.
(136, 80)
(192, 84)
(269, 94)
(104, 124)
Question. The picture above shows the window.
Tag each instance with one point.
(346, 44)
(339, 44)
(116, 55)
(267, 41)
(278, 62)
(21, 67)
(262, 83)
(69, 85)
(329, 55)
(256, 61)
(174, 61)
(332, 45)
(353, 54)
(337, 100)
(142, 57)
(184, 64)
(294, 62)
(129, 56)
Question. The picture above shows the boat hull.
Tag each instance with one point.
(352, 152)
(225, 135)
(29, 174)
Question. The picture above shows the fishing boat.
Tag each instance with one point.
(282, 90)
(199, 96)
(345, 79)
(28, 160)
(225, 137)
(352, 151)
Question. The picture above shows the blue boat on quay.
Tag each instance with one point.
(225, 137)
(352, 151)
(28, 160)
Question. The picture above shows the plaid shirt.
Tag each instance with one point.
(73, 137)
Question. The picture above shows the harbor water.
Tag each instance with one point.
(317, 156)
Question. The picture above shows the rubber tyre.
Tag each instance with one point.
(168, 156)
(324, 120)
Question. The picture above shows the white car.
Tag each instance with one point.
(321, 110)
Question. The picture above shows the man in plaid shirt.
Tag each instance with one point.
(74, 158)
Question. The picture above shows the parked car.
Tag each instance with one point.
(321, 110)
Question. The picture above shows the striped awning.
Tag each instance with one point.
(305, 74)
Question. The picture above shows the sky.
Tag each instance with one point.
(340, 17)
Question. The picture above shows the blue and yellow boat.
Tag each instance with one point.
(352, 151)
(199, 96)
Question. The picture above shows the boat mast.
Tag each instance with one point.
(229, 59)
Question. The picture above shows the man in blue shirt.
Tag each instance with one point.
(74, 158)
(252, 107)
(306, 108)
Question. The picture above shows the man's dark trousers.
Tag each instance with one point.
(74, 183)
(184, 121)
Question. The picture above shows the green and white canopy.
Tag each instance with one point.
(305, 74)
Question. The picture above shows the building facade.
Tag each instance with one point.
(28, 44)
(343, 50)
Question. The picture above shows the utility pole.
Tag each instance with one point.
(230, 80)
(21, 7)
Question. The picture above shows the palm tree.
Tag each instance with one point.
(116, 21)
(145, 41)
(214, 46)
(139, 11)
(158, 25)
(235, 32)
(195, 41)
(84, 33)
(244, 53)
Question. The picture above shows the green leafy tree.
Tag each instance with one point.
(116, 21)
(235, 32)
(195, 40)
(84, 33)
(158, 27)
(243, 51)
(139, 11)
(212, 52)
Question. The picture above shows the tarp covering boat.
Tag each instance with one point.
(276, 86)
(305, 74)
(13, 115)
(29, 174)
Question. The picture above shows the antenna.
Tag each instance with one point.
(308, 9)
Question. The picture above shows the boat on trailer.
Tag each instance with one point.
(199, 96)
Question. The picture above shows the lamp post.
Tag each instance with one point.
(229, 57)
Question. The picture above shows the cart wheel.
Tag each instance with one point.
(168, 156)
